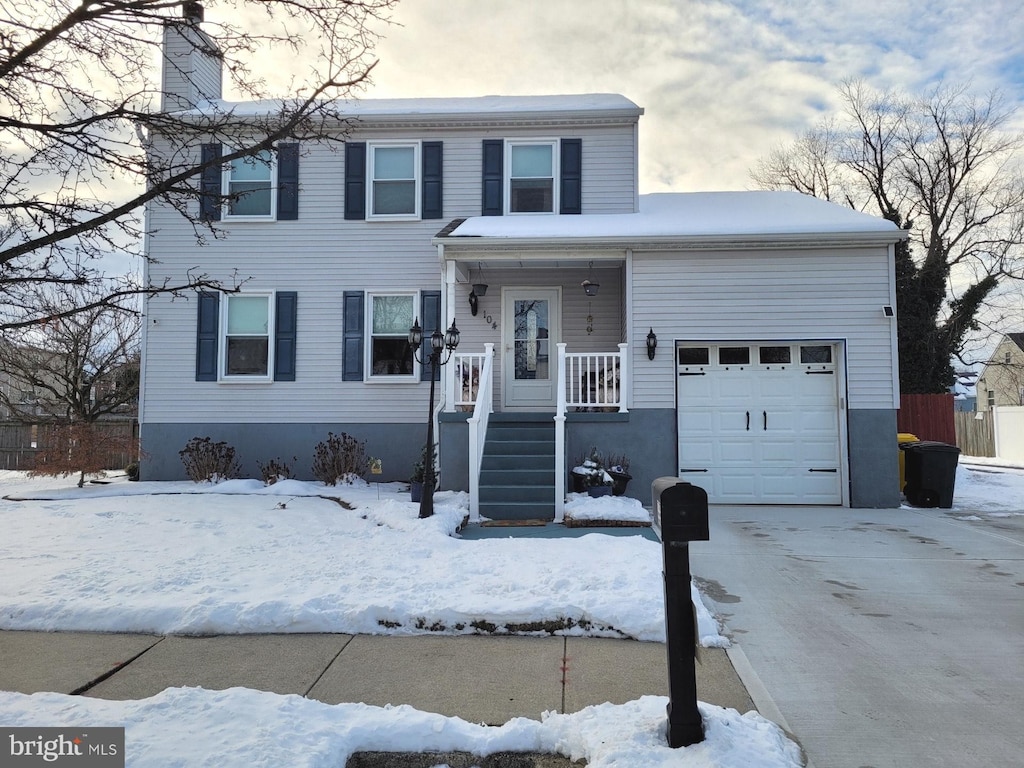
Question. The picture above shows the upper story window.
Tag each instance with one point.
(247, 328)
(531, 176)
(530, 184)
(390, 318)
(250, 184)
(262, 187)
(394, 181)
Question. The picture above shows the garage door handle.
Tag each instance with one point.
(765, 414)
(748, 421)
(685, 469)
(823, 470)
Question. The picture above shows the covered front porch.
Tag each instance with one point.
(543, 348)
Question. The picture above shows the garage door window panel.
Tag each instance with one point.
(734, 355)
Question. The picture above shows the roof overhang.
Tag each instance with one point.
(456, 245)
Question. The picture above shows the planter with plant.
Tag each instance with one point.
(590, 476)
(618, 468)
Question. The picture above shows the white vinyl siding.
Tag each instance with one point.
(828, 294)
(321, 256)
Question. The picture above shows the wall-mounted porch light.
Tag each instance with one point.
(652, 344)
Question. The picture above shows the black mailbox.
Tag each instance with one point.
(680, 510)
(680, 516)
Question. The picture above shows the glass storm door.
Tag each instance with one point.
(531, 328)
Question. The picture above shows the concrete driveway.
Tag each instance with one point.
(887, 638)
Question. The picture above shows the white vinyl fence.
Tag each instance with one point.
(1008, 428)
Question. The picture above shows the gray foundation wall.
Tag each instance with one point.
(874, 459)
(397, 445)
(646, 436)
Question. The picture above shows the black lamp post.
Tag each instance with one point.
(439, 344)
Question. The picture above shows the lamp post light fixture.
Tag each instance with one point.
(439, 345)
(652, 344)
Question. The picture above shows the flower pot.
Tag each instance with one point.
(415, 490)
(579, 482)
(619, 482)
(596, 491)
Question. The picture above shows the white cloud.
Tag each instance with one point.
(721, 82)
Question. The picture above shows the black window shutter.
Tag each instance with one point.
(493, 181)
(352, 336)
(209, 186)
(207, 333)
(432, 180)
(355, 180)
(285, 317)
(430, 311)
(287, 182)
(571, 196)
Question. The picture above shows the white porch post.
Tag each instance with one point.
(625, 378)
(449, 304)
(560, 438)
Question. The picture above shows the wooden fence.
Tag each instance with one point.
(19, 443)
(974, 434)
(930, 417)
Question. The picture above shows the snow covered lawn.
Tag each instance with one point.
(239, 557)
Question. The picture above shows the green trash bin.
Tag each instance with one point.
(930, 473)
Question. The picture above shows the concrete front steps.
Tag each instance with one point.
(517, 474)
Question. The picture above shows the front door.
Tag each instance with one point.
(531, 327)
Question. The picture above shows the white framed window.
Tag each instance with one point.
(389, 318)
(247, 327)
(393, 184)
(530, 182)
(251, 183)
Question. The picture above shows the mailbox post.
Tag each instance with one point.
(680, 516)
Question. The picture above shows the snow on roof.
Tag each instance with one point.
(442, 107)
(686, 215)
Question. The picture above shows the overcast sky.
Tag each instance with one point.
(721, 83)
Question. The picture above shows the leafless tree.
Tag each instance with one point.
(77, 368)
(946, 167)
(81, 105)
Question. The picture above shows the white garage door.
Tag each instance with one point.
(759, 423)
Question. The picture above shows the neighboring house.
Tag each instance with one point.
(965, 391)
(1002, 379)
(743, 341)
(22, 399)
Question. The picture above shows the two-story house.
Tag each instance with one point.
(743, 341)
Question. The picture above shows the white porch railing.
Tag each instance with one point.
(594, 381)
(475, 376)
(586, 382)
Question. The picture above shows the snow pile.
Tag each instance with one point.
(242, 727)
(613, 508)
